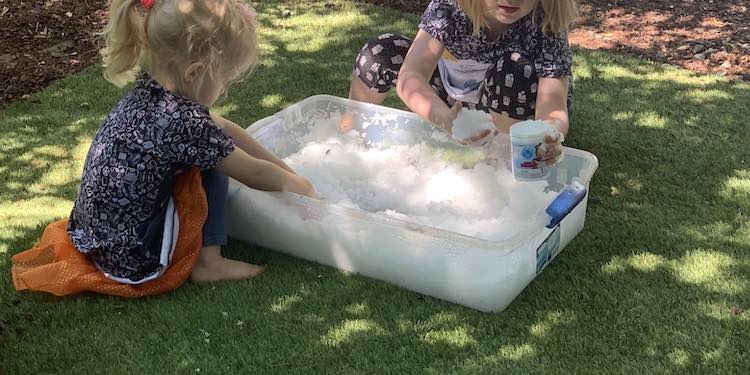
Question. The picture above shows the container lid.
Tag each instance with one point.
(530, 129)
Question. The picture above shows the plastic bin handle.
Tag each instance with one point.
(565, 202)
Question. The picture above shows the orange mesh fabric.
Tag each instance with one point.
(55, 266)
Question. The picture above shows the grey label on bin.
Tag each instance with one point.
(548, 249)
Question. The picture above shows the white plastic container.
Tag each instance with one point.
(485, 275)
(525, 138)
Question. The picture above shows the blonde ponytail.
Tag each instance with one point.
(172, 34)
(125, 41)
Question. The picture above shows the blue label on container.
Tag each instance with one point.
(548, 249)
(528, 153)
(525, 163)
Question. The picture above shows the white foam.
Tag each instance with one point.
(470, 122)
(423, 184)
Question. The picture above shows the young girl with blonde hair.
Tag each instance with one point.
(510, 58)
(124, 217)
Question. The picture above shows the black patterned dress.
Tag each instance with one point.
(501, 75)
(149, 137)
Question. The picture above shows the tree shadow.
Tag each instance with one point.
(282, 82)
(654, 135)
(45, 139)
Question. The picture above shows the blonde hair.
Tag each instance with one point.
(559, 15)
(175, 33)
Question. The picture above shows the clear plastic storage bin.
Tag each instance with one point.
(485, 275)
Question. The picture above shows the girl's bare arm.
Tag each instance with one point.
(247, 143)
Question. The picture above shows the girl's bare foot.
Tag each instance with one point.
(212, 267)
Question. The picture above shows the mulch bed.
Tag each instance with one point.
(44, 40)
(700, 35)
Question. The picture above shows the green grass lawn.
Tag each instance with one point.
(655, 283)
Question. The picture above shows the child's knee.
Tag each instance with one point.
(379, 61)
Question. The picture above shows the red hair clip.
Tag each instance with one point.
(147, 4)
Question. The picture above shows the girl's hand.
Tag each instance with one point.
(301, 185)
(550, 151)
(470, 133)
(481, 137)
(445, 121)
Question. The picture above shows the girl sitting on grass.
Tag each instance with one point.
(124, 217)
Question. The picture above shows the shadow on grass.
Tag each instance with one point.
(285, 75)
(668, 147)
(44, 139)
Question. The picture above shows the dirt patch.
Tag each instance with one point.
(700, 35)
(44, 41)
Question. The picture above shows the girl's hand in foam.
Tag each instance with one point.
(481, 137)
(445, 122)
(472, 127)
(301, 185)
(551, 150)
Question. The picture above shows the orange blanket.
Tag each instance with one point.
(55, 266)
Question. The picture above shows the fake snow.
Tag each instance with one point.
(471, 191)
(470, 122)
